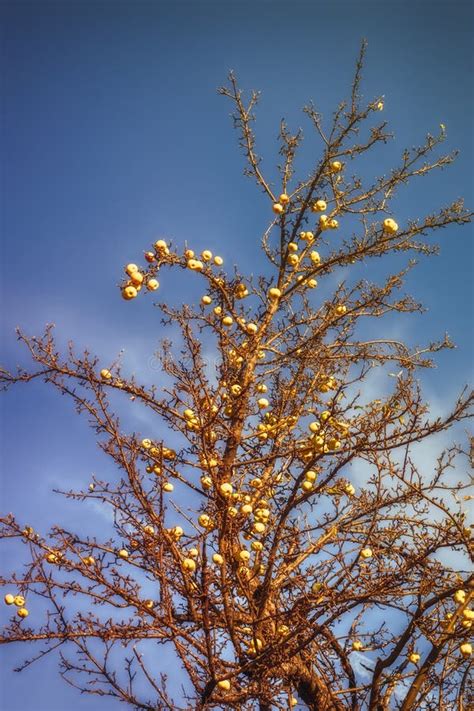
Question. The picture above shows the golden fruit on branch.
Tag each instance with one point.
(380, 106)
(262, 388)
(277, 208)
(466, 649)
(9, 599)
(227, 321)
(123, 553)
(137, 278)
(263, 403)
(319, 206)
(218, 559)
(259, 527)
(333, 224)
(206, 255)
(146, 443)
(460, 596)
(105, 374)
(284, 199)
(414, 657)
(224, 684)
(22, 612)
(161, 246)
(274, 293)
(188, 565)
(204, 520)
(193, 553)
(194, 264)
(315, 257)
(206, 482)
(307, 486)
(256, 546)
(152, 284)
(19, 600)
(168, 487)
(244, 556)
(366, 553)
(149, 604)
(206, 300)
(226, 489)
(357, 645)
(390, 226)
(150, 257)
(341, 309)
(131, 269)
(218, 261)
(336, 166)
(252, 328)
(149, 530)
(468, 614)
(129, 292)
(292, 247)
(310, 475)
(312, 283)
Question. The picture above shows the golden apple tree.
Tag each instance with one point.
(278, 578)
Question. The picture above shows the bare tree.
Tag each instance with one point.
(278, 579)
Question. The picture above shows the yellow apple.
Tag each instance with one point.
(168, 487)
(414, 658)
(131, 269)
(293, 701)
(366, 553)
(312, 283)
(246, 509)
(152, 284)
(256, 546)
(189, 254)
(19, 600)
(466, 649)
(129, 292)
(310, 475)
(262, 403)
(284, 199)
(188, 565)
(244, 556)
(22, 612)
(232, 511)
(252, 328)
(293, 259)
(262, 388)
(319, 206)
(341, 309)
(9, 599)
(283, 629)
(307, 486)
(123, 553)
(390, 226)
(349, 489)
(315, 258)
(149, 530)
(146, 443)
(194, 264)
(52, 558)
(137, 278)
(226, 489)
(206, 255)
(176, 532)
(357, 645)
(206, 300)
(468, 614)
(292, 247)
(149, 256)
(206, 482)
(161, 246)
(204, 520)
(336, 166)
(277, 208)
(227, 321)
(256, 483)
(149, 604)
(314, 426)
(460, 596)
(259, 527)
(274, 293)
(105, 374)
(380, 106)
(193, 553)
(333, 224)
(224, 684)
(218, 261)
(218, 559)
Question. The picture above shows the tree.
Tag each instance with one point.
(276, 580)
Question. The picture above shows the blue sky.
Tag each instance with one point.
(113, 135)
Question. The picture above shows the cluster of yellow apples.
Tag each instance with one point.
(326, 383)
(279, 206)
(357, 645)
(309, 479)
(136, 280)
(414, 657)
(154, 452)
(272, 426)
(19, 602)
